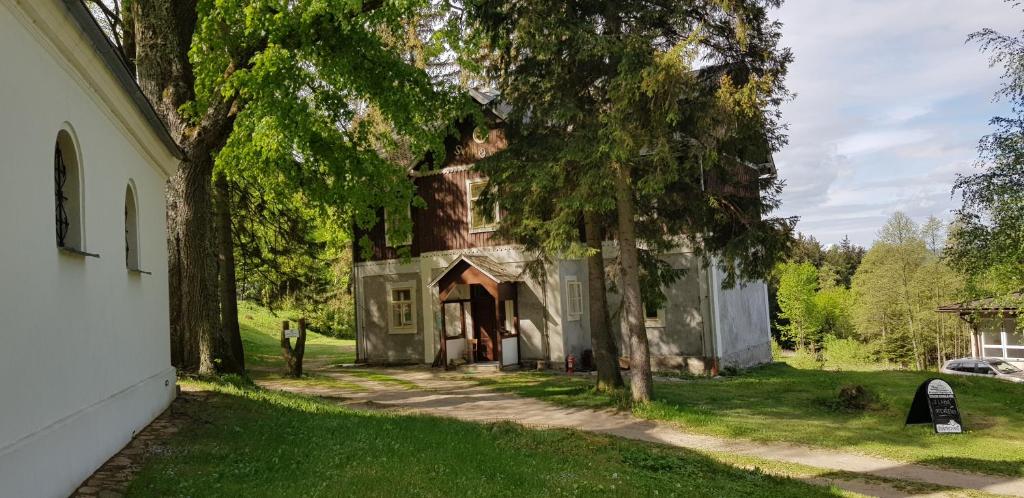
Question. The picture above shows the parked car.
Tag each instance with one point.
(987, 367)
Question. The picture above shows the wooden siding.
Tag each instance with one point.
(444, 224)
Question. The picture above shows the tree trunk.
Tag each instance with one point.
(162, 31)
(193, 296)
(234, 356)
(641, 382)
(606, 350)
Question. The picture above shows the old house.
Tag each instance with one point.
(464, 294)
(85, 361)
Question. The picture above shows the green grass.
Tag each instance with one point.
(261, 339)
(245, 441)
(782, 403)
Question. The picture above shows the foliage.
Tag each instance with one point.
(782, 402)
(989, 230)
(636, 93)
(810, 306)
(797, 286)
(848, 353)
(897, 290)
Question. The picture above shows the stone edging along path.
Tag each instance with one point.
(465, 400)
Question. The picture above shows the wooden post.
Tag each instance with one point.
(293, 356)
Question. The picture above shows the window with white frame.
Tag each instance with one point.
(573, 298)
(654, 316)
(480, 220)
(402, 308)
(1003, 341)
(389, 222)
(510, 317)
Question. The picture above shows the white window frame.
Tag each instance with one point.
(402, 329)
(573, 289)
(657, 322)
(470, 200)
(1004, 343)
(510, 317)
(387, 237)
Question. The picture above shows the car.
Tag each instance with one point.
(984, 367)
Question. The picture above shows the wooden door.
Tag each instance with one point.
(485, 324)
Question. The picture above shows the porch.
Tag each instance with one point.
(480, 313)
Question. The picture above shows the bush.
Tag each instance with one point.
(776, 351)
(847, 353)
(805, 359)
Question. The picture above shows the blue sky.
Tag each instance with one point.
(890, 105)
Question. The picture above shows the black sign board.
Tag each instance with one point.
(934, 403)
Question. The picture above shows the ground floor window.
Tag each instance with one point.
(402, 316)
(573, 298)
(654, 316)
(1003, 342)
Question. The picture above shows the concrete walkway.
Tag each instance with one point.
(442, 396)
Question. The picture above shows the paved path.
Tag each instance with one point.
(461, 399)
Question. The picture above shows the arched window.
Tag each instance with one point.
(131, 229)
(67, 179)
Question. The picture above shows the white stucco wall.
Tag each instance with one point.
(85, 361)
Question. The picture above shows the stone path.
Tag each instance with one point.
(443, 396)
(111, 480)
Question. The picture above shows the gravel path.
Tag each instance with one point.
(443, 396)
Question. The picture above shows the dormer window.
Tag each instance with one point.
(480, 220)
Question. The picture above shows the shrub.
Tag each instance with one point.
(847, 353)
(776, 351)
(805, 359)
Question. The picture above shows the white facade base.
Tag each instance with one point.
(54, 461)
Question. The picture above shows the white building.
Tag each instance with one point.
(85, 355)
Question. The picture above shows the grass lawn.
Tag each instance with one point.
(261, 339)
(782, 403)
(252, 442)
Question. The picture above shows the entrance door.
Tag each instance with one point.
(485, 329)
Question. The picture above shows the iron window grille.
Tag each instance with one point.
(60, 178)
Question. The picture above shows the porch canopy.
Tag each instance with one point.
(480, 311)
(988, 306)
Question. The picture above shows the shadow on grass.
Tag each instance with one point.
(781, 403)
(254, 442)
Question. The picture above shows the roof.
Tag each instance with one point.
(108, 54)
(494, 270)
(489, 99)
(991, 304)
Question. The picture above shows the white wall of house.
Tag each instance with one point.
(85, 361)
(742, 327)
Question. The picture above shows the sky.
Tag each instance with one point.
(891, 102)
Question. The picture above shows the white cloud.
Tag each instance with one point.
(890, 105)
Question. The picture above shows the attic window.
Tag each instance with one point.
(480, 220)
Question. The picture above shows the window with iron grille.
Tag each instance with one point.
(67, 184)
(60, 179)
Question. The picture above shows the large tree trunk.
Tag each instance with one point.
(233, 356)
(641, 383)
(606, 351)
(193, 296)
(163, 31)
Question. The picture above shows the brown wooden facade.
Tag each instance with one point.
(443, 225)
